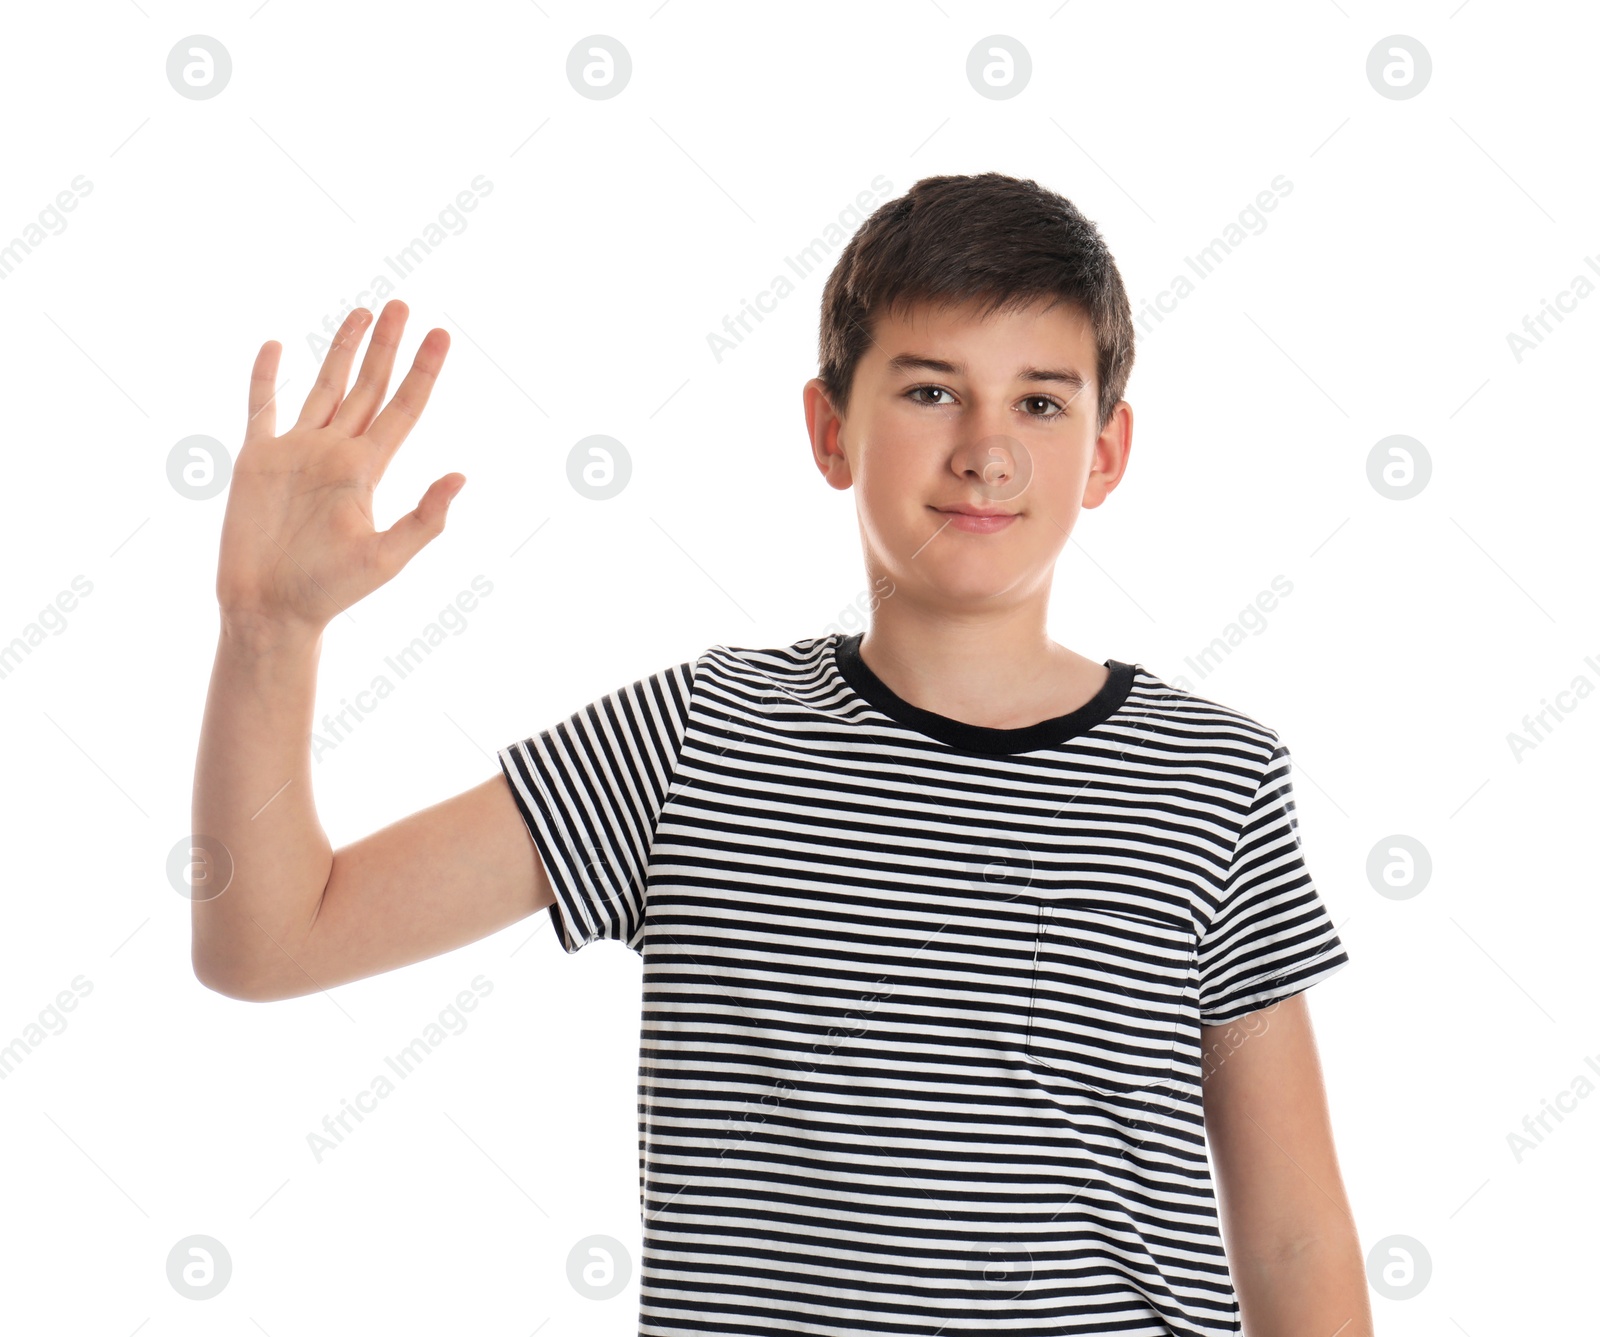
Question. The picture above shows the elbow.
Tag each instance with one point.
(229, 983)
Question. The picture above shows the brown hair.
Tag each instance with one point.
(996, 239)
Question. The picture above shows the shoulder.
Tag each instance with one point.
(1186, 720)
(735, 663)
(789, 667)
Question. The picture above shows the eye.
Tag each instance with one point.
(1047, 400)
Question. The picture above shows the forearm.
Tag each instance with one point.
(1317, 1288)
(252, 793)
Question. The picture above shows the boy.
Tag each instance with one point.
(958, 946)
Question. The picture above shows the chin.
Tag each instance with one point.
(969, 582)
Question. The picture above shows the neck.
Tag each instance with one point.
(997, 668)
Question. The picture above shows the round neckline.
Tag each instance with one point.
(979, 738)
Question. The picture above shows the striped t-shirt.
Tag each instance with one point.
(920, 1043)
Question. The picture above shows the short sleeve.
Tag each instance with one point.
(590, 790)
(1272, 936)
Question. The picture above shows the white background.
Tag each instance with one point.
(618, 234)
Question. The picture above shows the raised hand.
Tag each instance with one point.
(298, 542)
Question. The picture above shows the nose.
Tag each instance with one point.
(997, 465)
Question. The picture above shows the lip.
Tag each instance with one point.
(975, 521)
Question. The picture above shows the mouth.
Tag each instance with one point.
(975, 519)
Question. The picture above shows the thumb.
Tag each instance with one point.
(412, 532)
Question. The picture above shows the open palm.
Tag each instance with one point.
(298, 541)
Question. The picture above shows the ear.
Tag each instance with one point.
(825, 428)
(1111, 450)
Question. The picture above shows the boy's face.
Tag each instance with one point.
(1007, 425)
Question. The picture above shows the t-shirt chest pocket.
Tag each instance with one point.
(1111, 987)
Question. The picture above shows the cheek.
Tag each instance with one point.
(895, 475)
(1058, 477)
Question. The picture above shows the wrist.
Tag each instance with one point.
(256, 636)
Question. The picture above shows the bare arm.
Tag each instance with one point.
(298, 546)
(1291, 1240)
(299, 916)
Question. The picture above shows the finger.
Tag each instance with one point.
(263, 419)
(354, 416)
(408, 535)
(400, 415)
(335, 374)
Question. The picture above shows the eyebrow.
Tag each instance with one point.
(921, 362)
